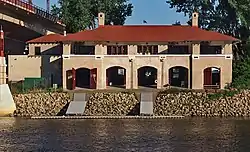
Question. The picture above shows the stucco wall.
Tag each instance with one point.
(46, 49)
(21, 66)
(131, 66)
(198, 66)
(174, 61)
(131, 62)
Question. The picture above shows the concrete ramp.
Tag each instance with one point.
(7, 104)
(79, 97)
(77, 106)
(147, 103)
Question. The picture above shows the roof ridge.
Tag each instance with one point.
(142, 33)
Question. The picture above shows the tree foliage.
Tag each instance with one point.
(231, 17)
(82, 14)
(241, 74)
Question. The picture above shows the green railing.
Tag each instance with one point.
(31, 85)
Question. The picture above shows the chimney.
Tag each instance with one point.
(101, 19)
(195, 18)
(1, 42)
(64, 33)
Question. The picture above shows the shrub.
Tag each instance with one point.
(226, 93)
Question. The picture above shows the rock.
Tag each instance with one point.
(197, 104)
(112, 104)
(40, 104)
(122, 103)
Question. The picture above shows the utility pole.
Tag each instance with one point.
(48, 5)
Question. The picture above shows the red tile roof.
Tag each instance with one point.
(142, 33)
(51, 38)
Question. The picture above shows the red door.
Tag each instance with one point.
(208, 76)
(93, 78)
(73, 79)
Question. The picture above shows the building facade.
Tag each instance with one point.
(129, 57)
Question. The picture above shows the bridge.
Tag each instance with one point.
(22, 21)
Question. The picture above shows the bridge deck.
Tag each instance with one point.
(31, 8)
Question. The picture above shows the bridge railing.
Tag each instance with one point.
(33, 9)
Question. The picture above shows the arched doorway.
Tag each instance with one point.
(147, 77)
(85, 78)
(82, 78)
(116, 77)
(211, 78)
(178, 76)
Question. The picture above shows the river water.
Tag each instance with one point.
(166, 135)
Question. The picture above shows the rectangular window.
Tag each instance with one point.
(117, 50)
(177, 49)
(208, 49)
(81, 49)
(176, 75)
(175, 70)
(37, 50)
(120, 71)
(147, 49)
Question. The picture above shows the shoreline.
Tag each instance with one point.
(127, 104)
(105, 117)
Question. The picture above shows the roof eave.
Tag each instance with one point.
(41, 42)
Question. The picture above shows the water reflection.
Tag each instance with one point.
(187, 135)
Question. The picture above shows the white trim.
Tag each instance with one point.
(99, 57)
(230, 57)
(167, 55)
(66, 56)
(154, 55)
(195, 56)
(131, 57)
(116, 55)
(215, 55)
(73, 55)
(162, 57)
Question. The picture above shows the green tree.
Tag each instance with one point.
(231, 17)
(81, 14)
(241, 74)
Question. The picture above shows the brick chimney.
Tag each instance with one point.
(101, 19)
(195, 18)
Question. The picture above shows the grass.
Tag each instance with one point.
(223, 94)
(35, 90)
(18, 89)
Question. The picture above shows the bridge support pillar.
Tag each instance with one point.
(2, 59)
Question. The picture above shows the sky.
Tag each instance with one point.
(158, 14)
